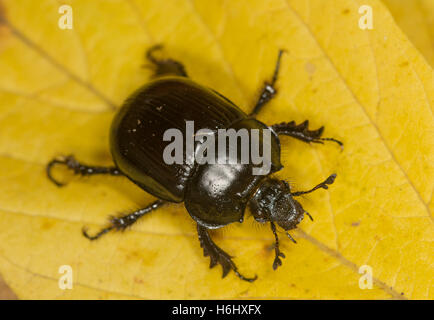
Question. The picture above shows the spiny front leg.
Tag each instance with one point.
(80, 169)
(302, 132)
(123, 222)
(217, 255)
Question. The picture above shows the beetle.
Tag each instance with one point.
(214, 195)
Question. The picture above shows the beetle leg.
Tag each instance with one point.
(323, 185)
(217, 255)
(164, 66)
(79, 168)
(302, 132)
(277, 262)
(123, 222)
(268, 91)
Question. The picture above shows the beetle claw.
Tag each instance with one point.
(277, 263)
(99, 234)
(50, 167)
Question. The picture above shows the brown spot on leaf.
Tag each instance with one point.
(356, 224)
(244, 293)
(47, 225)
(4, 30)
(346, 11)
(146, 256)
(310, 68)
(404, 64)
(133, 255)
(138, 280)
(269, 248)
(2, 14)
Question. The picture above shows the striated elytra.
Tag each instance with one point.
(214, 194)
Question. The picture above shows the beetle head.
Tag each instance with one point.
(273, 202)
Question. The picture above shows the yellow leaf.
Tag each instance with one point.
(370, 88)
(416, 18)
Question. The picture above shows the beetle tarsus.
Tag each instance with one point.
(164, 66)
(268, 91)
(50, 176)
(279, 254)
(324, 185)
(150, 53)
(217, 255)
(122, 222)
(96, 236)
(302, 132)
(80, 169)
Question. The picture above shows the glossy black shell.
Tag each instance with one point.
(214, 194)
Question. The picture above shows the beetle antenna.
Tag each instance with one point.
(308, 214)
(276, 70)
(289, 236)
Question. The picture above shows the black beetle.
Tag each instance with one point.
(214, 194)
